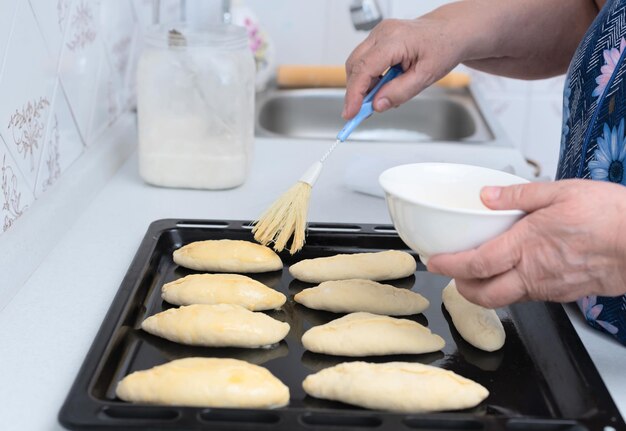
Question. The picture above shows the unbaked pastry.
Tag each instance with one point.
(479, 326)
(384, 265)
(227, 255)
(222, 289)
(405, 387)
(222, 325)
(347, 296)
(366, 334)
(205, 382)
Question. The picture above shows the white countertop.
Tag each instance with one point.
(47, 328)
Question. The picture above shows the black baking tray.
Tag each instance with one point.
(542, 379)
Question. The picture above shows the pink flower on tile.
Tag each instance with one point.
(611, 58)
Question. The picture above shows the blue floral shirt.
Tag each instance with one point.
(593, 142)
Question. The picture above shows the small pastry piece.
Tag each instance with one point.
(226, 255)
(366, 334)
(222, 289)
(384, 265)
(477, 325)
(222, 325)
(347, 296)
(405, 387)
(205, 382)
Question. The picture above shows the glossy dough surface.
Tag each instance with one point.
(477, 325)
(347, 296)
(366, 334)
(222, 325)
(222, 289)
(395, 386)
(205, 382)
(384, 265)
(226, 255)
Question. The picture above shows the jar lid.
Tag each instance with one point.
(183, 35)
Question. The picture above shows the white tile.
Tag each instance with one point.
(551, 87)
(498, 86)
(108, 103)
(16, 192)
(119, 34)
(296, 28)
(7, 14)
(511, 113)
(82, 53)
(544, 133)
(26, 92)
(52, 18)
(341, 37)
(63, 144)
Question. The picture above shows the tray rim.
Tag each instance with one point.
(92, 362)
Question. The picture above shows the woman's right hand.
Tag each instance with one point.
(424, 47)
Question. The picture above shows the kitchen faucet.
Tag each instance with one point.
(365, 14)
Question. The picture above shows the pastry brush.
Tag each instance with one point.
(286, 217)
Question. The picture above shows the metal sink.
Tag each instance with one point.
(437, 114)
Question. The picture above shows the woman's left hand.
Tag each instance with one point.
(571, 243)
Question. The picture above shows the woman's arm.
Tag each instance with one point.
(517, 38)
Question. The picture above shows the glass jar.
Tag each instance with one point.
(195, 106)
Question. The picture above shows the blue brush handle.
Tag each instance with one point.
(366, 107)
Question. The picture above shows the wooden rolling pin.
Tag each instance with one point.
(296, 76)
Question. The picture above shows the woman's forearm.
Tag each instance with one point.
(522, 39)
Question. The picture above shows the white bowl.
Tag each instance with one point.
(436, 207)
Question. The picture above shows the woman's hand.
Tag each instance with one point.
(400, 42)
(501, 37)
(571, 243)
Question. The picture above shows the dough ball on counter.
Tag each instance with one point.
(366, 334)
(348, 296)
(205, 382)
(384, 265)
(222, 325)
(405, 387)
(227, 255)
(222, 289)
(479, 326)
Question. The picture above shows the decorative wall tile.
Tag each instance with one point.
(16, 193)
(63, 144)
(407, 9)
(52, 17)
(108, 100)
(82, 53)
(26, 91)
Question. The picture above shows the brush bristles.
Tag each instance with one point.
(286, 217)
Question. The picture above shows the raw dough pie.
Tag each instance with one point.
(405, 387)
(222, 289)
(226, 255)
(366, 334)
(205, 382)
(347, 296)
(222, 325)
(384, 265)
(479, 326)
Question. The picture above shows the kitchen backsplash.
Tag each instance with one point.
(67, 73)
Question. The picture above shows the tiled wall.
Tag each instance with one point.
(65, 77)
